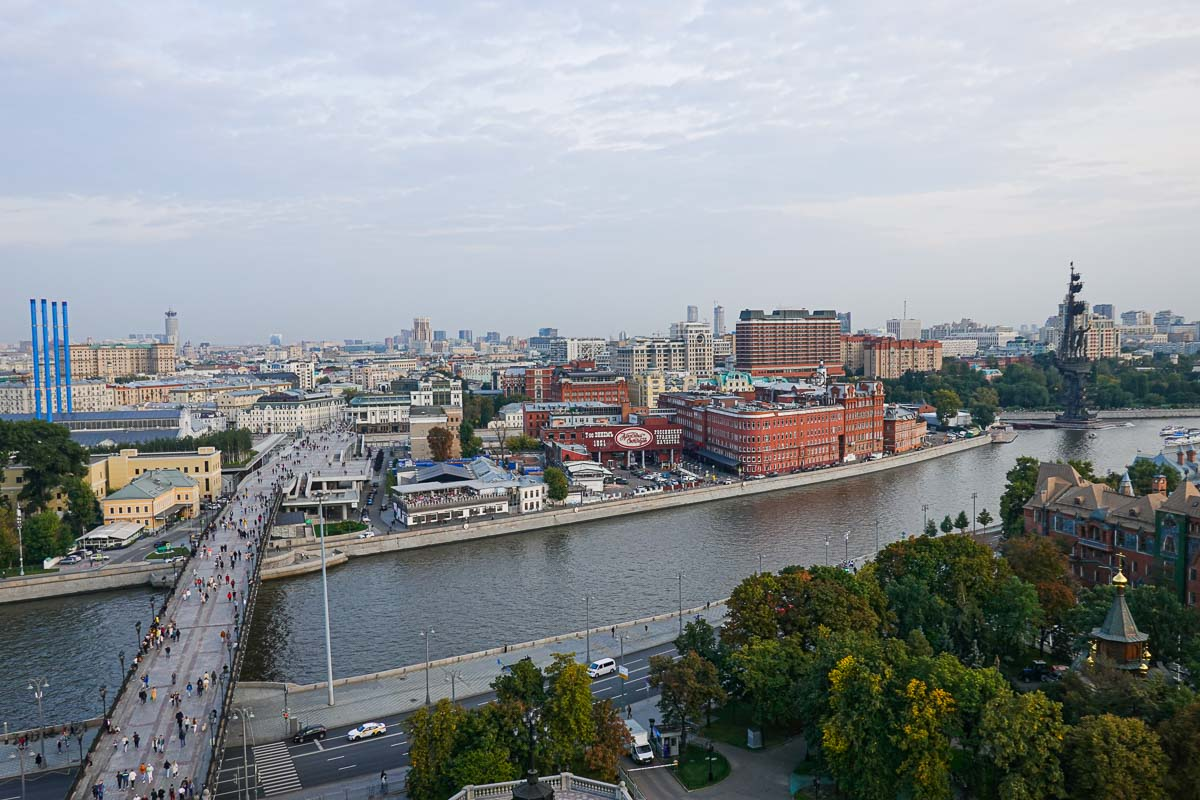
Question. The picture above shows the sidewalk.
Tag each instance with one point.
(363, 700)
(204, 651)
(10, 765)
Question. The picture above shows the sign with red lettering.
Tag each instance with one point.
(634, 438)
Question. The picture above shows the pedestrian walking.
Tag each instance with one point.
(136, 740)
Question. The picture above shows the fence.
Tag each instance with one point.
(565, 782)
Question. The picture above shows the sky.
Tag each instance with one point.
(332, 169)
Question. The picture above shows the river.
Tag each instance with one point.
(489, 592)
(509, 589)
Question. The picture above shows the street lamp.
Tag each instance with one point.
(877, 537)
(924, 516)
(427, 634)
(325, 592)
(619, 675)
(710, 762)
(847, 564)
(38, 687)
(103, 702)
(79, 739)
(212, 728)
(827, 549)
(138, 625)
(532, 789)
(587, 633)
(121, 655)
(974, 495)
(245, 715)
(681, 604)
(21, 556)
(453, 676)
(21, 746)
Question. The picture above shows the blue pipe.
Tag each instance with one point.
(37, 378)
(67, 358)
(46, 361)
(57, 364)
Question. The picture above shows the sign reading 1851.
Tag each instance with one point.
(634, 438)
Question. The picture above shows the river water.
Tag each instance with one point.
(515, 588)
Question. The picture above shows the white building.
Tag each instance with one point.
(289, 412)
(959, 348)
(449, 493)
(564, 350)
(17, 397)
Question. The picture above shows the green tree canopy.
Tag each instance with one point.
(687, 686)
(556, 483)
(441, 443)
(1022, 483)
(1116, 758)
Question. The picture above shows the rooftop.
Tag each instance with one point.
(152, 484)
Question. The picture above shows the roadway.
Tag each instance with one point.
(46, 784)
(286, 767)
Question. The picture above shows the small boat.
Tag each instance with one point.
(1171, 430)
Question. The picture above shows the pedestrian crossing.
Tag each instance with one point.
(276, 771)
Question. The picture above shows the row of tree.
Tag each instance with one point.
(896, 675)
(452, 747)
(1037, 384)
(235, 445)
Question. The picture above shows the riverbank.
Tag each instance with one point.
(354, 547)
(58, 584)
(400, 690)
(1114, 414)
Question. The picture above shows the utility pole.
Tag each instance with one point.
(847, 548)
(827, 549)
(587, 600)
(325, 591)
(427, 634)
(877, 536)
(924, 516)
(974, 495)
(680, 611)
(20, 556)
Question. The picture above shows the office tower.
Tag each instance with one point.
(422, 330)
(904, 328)
(693, 314)
(844, 319)
(172, 329)
(439, 336)
(548, 333)
(276, 339)
(1106, 310)
(788, 342)
(466, 334)
(718, 326)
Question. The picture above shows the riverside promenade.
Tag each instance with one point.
(207, 619)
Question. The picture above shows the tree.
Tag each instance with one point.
(441, 443)
(523, 684)
(9, 542)
(433, 735)
(767, 669)
(567, 713)
(947, 404)
(1181, 742)
(931, 528)
(687, 685)
(472, 445)
(1022, 483)
(982, 415)
(856, 735)
(1039, 561)
(984, 519)
(48, 454)
(921, 739)
(1115, 758)
(947, 524)
(83, 509)
(1143, 471)
(962, 522)
(1022, 737)
(556, 483)
(610, 742)
(751, 610)
(522, 443)
(41, 534)
(700, 637)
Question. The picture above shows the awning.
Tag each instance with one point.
(172, 510)
(717, 458)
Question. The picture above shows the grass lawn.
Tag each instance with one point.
(729, 725)
(14, 572)
(693, 769)
(334, 528)
(172, 553)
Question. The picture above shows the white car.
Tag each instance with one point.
(366, 534)
(601, 667)
(366, 731)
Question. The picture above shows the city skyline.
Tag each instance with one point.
(762, 157)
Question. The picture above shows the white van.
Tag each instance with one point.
(601, 667)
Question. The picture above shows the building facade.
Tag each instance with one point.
(653, 440)
(888, 358)
(17, 397)
(903, 430)
(787, 343)
(1158, 535)
(111, 473)
(291, 412)
(760, 437)
(153, 500)
(110, 361)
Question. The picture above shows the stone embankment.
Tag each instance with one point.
(1115, 414)
(353, 547)
(119, 576)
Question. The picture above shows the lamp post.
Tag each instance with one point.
(760, 564)
(877, 536)
(138, 626)
(622, 666)
(847, 537)
(532, 789)
(427, 634)
(246, 714)
(103, 702)
(21, 761)
(79, 740)
(710, 762)
(325, 592)
(121, 655)
(587, 633)
(38, 687)
(827, 549)
(681, 604)
(212, 728)
(974, 495)
(924, 516)
(453, 676)
(21, 561)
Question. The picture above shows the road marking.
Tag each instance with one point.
(352, 744)
(397, 744)
(317, 742)
(335, 758)
(274, 768)
(352, 766)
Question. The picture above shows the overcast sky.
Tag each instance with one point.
(330, 170)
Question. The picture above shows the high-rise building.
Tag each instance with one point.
(466, 334)
(422, 330)
(1106, 310)
(788, 342)
(492, 337)
(172, 329)
(697, 347)
(904, 328)
(548, 333)
(276, 339)
(1136, 318)
(844, 319)
(439, 336)
(566, 349)
(1165, 319)
(718, 325)
(693, 314)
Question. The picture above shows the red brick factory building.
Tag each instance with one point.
(801, 426)
(651, 440)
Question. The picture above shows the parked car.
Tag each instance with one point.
(311, 733)
(601, 667)
(71, 560)
(366, 731)
(366, 534)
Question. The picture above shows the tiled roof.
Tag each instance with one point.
(152, 484)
